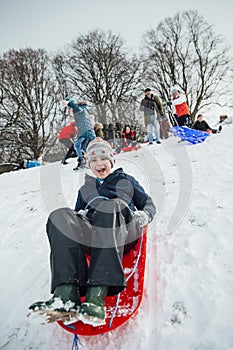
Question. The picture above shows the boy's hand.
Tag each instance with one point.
(141, 217)
(64, 103)
(82, 212)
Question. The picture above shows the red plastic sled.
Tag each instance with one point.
(131, 148)
(130, 298)
(127, 149)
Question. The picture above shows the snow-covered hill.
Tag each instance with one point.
(188, 301)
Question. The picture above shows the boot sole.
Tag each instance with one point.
(91, 320)
(69, 317)
(52, 316)
(91, 317)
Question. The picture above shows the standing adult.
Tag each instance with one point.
(164, 127)
(182, 110)
(111, 135)
(153, 110)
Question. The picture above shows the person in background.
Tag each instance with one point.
(111, 135)
(98, 129)
(179, 102)
(164, 127)
(128, 135)
(201, 124)
(85, 129)
(26, 163)
(110, 209)
(153, 109)
(66, 137)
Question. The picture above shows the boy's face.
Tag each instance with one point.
(101, 167)
(176, 94)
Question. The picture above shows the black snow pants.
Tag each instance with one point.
(185, 120)
(71, 150)
(111, 232)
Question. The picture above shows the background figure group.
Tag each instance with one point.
(179, 102)
(153, 110)
(85, 129)
(66, 137)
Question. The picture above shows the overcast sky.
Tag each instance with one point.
(51, 24)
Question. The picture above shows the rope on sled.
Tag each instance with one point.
(76, 341)
(93, 199)
(130, 275)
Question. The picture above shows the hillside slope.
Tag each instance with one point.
(188, 288)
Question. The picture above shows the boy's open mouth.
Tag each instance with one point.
(101, 170)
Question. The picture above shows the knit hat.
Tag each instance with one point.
(99, 147)
(174, 89)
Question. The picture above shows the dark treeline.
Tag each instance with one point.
(182, 50)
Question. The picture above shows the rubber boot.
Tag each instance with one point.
(94, 305)
(66, 298)
(64, 162)
(81, 164)
(77, 167)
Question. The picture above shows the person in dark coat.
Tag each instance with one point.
(110, 209)
(164, 127)
(111, 135)
(202, 125)
(153, 110)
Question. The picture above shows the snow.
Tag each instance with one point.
(188, 302)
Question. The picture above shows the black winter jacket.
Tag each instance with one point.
(116, 185)
(203, 126)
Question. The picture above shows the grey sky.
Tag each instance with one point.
(51, 24)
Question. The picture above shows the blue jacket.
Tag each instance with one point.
(82, 120)
(116, 185)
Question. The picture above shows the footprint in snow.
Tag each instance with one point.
(179, 313)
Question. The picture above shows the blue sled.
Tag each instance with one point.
(191, 135)
(33, 163)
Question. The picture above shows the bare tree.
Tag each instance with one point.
(28, 103)
(183, 50)
(95, 66)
